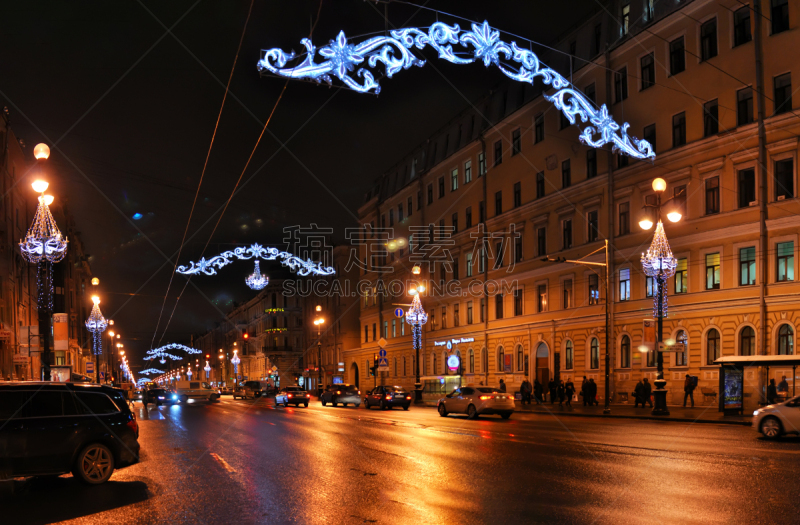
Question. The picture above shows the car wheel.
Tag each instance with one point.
(770, 427)
(184, 399)
(505, 415)
(357, 405)
(442, 410)
(94, 465)
(334, 403)
(305, 405)
(472, 413)
(285, 404)
(383, 405)
(366, 404)
(324, 402)
(405, 407)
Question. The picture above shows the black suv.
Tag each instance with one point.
(54, 428)
(388, 397)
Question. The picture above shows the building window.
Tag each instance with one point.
(454, 218)
(481, 212)
(591, 163)
(468, 172)
(374, 332)
(744, 106)
(681, 277)
(456, 315)
(518, 301)
(780, 16)
(566, 293)
(498, 306)
(621, 85)
(589, 91)
(625, 352)
(518, 249)
(566, 233)
(785, 261)
(516, 145)
(517, 194)
(592, 227)
(498, 152)
(679, 129)
(594, 289)
(712, 346)
(741, 26)
(677, 56)
(386, 329)
(541, 298)
(540, 185)
(444, 317)
(747, 266)
(650, 286)
(598, 39)
(625, 284)
(538, 128)
(783, 93)
(712, 195)
(501, 360)
(481, 164)
(468, 217)
(712, 271)
(366, 333)
(681, 357)
(708, 39)
(520, 361)
(499, 252)
(469, 264)
(394, 327)
(469, 312)
(710, 118)
(498, 203)
(624, 218)
(430, 193)
(471, 361)
(747, 341)
(569, 351)
(625, 20)
(482, 260)
(441, 187)
(400, 212)
(649, 10)
(785, 340)
(566, 174)
(454, 180)
(649, 134)
(747, 187)
(541, 241)
(784, 179)
(391, 218)
(594, 354)
(648, 71)
(483, 310)
(622, 160)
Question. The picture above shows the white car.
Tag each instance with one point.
(776, 420)
(476, 401)
(195, 391)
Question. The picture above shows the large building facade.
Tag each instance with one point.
(512, 171)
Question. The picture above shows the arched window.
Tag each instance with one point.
(681, 358)
(747, 341)
(594, 354)
(471, 361)
(569, 360)
(625, 352)
(785, 340)
(712, 346)
(520, 364)
(484, 361)
(501, 360)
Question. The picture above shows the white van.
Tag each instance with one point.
(194, 390)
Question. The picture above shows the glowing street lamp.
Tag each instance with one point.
(96, 324)
(416, 317)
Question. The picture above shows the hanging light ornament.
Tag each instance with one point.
(416, 317)
(96, 324)
(43, 241)
(189, 374)
(660, 264)
(207, 368)
(257, 280)
(235, 361)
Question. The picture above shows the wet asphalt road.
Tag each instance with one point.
(250, 462)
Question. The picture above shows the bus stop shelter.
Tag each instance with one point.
(731, 377)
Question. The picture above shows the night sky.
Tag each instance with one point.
(129, 109)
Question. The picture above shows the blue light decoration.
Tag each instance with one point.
(137, 216)
(151, 371)
(176, 346)
(96, 324)
(482, 43)
(257, 280)
(303, 267)
(207, 368)
(416, 317)
(235, 361)
(660, 264)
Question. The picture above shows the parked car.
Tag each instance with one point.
(226, 391)
(477, 401)
(292, 395)
(344, 394)
(53, 428)
(387, 397)
(157, 397)
(778, 419)
(186, 391)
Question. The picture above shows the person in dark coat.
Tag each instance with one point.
(688, 390)
(560, 393)
(525, 390)
(502, 386)
(647, 389)
(772, 392)
(537, 391)
(569, 391)
(553, 387)
(585, 391)
(592, 392)
(638, 394)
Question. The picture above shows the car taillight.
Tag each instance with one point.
(308, 395)
(359, 392)
(338, 392)
(288, 395)
(389, 397)
(484, 398)
(408, 397)
(133, 425)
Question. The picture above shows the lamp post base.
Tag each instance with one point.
(660, 398)
(606, 410)
(417, 393)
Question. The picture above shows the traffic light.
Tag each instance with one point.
(208, 356)
(246, 335)
(373, 370)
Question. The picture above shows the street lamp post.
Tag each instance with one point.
(416, 317)
(660, 264)
(44, 246)
(318, 322)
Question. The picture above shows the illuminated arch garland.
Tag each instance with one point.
(151, 371)
(210, 266)
(482, 43)
(176, 346)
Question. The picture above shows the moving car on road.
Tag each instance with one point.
(252, 389)
(292, 395)
(477, 401)
(195, 391)
(387, 397)
(157, 397)
(776, 420)
(52, 428)
(344, 394)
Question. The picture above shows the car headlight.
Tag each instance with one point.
(755, 412)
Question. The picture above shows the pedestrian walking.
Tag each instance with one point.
(772, 392)
(553, 387)
(647, 390)
(537, 391)
(638, 394)
(688, 390)
(560, 393)
(592, 392)
(502, 386)
(569, 391)
(525, 390)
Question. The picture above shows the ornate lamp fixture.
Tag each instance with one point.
(96, 324)
(257, 280)
(235, 361)
(660, 264)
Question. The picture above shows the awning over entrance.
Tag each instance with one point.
(759, 360)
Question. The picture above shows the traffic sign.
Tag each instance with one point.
(382, 342)
(399, 312)
(382, 352)
(90, 367)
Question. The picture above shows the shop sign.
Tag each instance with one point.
(20, 359)
(734, 386)
(453, 362)
(449, 343)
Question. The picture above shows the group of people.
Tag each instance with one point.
(560, 391)
(775, 394)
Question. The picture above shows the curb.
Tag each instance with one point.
(648, 418)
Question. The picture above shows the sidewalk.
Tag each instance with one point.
(705, 414)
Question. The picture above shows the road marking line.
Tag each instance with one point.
(222, 462)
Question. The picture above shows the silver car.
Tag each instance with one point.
(476, 401)
(776, 420)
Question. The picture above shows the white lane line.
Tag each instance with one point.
(222, 462)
